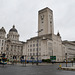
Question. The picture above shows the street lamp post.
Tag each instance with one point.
(72, 62)
(37, 46)
(52, 56)
(52, 52)
(66, 59)
(37, 52)
(25, 60)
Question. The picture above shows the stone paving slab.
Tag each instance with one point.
(67, 68)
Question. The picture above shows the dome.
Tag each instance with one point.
(2, 30)
(13, 29)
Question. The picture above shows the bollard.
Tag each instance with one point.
(60, 66)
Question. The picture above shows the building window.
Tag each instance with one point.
(13, 36)
(39, 53)
(42, 21)
(1, 52)
(30, 54)
(33, 45)
(33, 41)
(50, 22)
(39, 44)
(21, 48)
(36, 53)
(11, 49)
(30, 50)
(50, 17)
(14, 50)
(39, 49)
(18, 47)
(1, 48)
(33, 54)
(33, 49)
(36, 49)
(36, 44)
(15, 47)
(30, 45)
(2, 40)
(2, 44)
(7, 48)
(42, 17)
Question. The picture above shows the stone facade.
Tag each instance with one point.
(49, 44)
(2, 40)
(46, 44)
(70, 49)
(11, 46)
(45, 21)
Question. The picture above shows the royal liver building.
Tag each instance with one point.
(43, 46)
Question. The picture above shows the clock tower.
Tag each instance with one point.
(45, 21)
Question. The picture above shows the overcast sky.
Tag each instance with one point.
(24, 15)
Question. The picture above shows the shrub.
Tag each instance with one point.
(46, 60)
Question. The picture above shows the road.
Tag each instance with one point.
(33, 70)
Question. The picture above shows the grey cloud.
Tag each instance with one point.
(24, 14)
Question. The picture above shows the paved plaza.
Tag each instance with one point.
(20, 69)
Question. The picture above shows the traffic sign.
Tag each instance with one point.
(53, 57)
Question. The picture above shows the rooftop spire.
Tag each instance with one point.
(58, 34)
(13, 26)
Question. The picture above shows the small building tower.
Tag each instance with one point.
(2, 40)
(2, 33)
(45, 21)
(13, 34)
